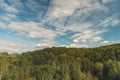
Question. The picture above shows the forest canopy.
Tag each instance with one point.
(61, 63)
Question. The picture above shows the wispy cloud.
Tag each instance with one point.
(33, 30)
(46, 20)
(11, 9)
(110, 21)
(64, 18)
(13, 47)
(105, 42)
(106, 1)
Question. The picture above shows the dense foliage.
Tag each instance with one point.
(102, 63)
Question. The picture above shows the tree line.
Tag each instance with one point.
(61, 63)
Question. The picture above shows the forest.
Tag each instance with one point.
(61, 63)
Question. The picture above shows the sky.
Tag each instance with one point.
(26, 25)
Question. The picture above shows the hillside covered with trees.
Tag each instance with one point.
(61, 63)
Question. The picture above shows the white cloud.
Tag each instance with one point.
(8, 8)
(3, 25)
(105, 42)
(68, 7)
(13, 47)
(59, 10)
(78, 45)
(96, 39)
(64, 15)
(9, 12)
(33, 30)
(106, 1)
(87, 36)
(63, 8)
(115, 22)
(109, 21)
(42, 45)
(79, 28)
(8, 17)
(11, 9)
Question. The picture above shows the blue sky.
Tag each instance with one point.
(29, 24)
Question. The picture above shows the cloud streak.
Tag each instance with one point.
(44, 21)
(13, 47)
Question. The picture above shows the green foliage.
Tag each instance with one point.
(102, 63)
(112, 67)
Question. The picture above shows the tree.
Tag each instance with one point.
(3, 64)
(112, 70)
(98, 70)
